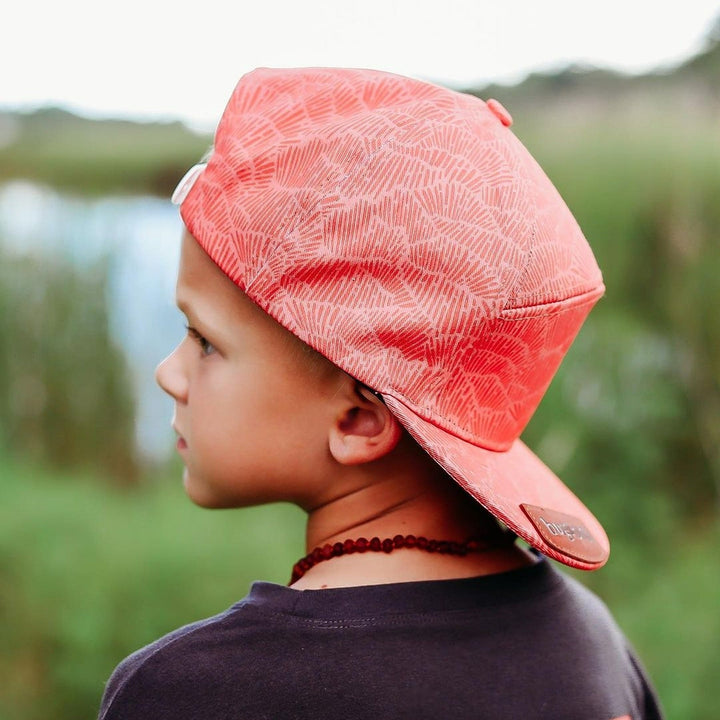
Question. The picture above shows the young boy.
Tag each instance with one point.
(380, 283)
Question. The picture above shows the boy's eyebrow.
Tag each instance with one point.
(194, 318)
(182, 304)
(185, 308)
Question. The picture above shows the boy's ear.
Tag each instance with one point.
(364, 430)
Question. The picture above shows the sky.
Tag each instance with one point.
(155, 59)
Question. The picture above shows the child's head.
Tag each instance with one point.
(270, 418)
(405, 234)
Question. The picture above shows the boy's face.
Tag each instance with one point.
(251, 410)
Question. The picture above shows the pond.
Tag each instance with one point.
(139, 237)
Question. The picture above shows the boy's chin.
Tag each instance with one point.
(200, 494)
(204, 495)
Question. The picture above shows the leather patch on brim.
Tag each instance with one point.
(566, 534)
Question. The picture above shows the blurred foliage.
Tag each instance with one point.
(65, 399)
(56, 147)
(89, 572)
(639, 392)
(694, 83)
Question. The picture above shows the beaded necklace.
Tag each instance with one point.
(411, 542)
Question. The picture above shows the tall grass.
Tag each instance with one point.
(80, 155)
(64, 388)
(91, 572)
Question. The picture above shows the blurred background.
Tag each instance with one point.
(105, 109)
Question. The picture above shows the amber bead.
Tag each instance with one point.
(349, 547)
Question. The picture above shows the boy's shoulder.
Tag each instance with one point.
(272, 651)
(146, 671)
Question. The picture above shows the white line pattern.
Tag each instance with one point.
(405, 233)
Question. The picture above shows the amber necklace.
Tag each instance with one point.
(498, 539)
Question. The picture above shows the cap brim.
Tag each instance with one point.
(518, 489)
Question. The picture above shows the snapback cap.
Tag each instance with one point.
(404, 232)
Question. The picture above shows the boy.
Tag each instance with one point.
(380, 283)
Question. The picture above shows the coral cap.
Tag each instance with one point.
(402, 230)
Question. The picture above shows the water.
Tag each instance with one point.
(140, 236)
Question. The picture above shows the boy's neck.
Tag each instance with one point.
(411, 500)
(409, 566)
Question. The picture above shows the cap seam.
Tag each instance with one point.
(424, 412)
(457, 431)
(510, 295)
(512, 299)
(552, 306)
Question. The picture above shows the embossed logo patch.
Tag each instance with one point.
(565, 533)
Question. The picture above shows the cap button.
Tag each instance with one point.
(499, 112)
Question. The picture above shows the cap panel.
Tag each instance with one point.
(561, 264)
(400, 272)
(476, 377)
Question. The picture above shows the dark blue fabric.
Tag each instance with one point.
(531, 643)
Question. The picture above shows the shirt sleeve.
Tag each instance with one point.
(129, 693)
(122, 675)
(648, 697)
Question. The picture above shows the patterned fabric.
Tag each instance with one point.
(404, 232)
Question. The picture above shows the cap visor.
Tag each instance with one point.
(518, 489)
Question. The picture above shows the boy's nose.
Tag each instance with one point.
(170, 378)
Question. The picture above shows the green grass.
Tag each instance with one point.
(91, 573)
(79, 155)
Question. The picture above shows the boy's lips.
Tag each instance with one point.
(181, 444)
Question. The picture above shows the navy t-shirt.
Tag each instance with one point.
(530, 643)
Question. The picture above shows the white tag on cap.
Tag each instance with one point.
(185, 185)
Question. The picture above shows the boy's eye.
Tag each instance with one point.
(206, 346)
